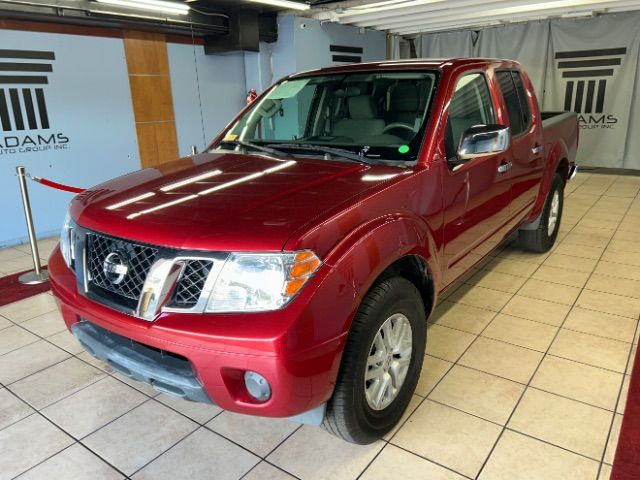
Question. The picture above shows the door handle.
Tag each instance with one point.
(537, 149)
(504, 167)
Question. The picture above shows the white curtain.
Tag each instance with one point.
(592, 70)
(632, 147)
(446, 44)
(589, 66)
(525, 42)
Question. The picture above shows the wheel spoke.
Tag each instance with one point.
(401, 362)
(398, 371)
(373, 391)
(375, 359)
(387, 330)
(399, 331)
(405, 350)
(383, 386)
(554, 213)
(379, 343)
(373, 373)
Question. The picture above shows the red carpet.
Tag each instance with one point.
(626, 465)
(11, 290)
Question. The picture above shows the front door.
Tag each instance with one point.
(476, 193)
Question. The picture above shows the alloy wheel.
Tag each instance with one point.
(388, 361)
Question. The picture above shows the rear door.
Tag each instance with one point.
(476, 194)
(527, 150)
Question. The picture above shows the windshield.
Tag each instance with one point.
(374, 115)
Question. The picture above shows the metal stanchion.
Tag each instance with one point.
(194, 149)
(38, 275)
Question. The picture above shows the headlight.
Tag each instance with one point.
(261, 282)
(66, 241)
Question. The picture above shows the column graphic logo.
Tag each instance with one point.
(24, 76)
(22, 103)
(586, 73)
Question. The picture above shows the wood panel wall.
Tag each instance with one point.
(148, 66)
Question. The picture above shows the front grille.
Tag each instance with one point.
(107, 284)
(191, 283)
(139, 259)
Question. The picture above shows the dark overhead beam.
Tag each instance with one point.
(243, 35)
(88, 13)
(268, 28)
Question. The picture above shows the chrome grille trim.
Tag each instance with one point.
(93, 284)
(207, 288)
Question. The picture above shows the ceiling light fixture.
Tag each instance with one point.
(387, 6)
(284, 4)
(174, 8)
(577, 14)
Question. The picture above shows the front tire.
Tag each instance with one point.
(542, 238)
(381, 363)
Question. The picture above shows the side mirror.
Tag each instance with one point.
(483, 140)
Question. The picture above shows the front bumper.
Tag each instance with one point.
(165, 373)
(294, 349)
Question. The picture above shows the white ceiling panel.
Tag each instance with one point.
(406, 17)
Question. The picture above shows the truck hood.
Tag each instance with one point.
(225, 201)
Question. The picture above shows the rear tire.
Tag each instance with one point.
(354, 413)
(544, 236)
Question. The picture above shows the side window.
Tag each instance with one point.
(524, 101)
(515, 98)
(471, 105)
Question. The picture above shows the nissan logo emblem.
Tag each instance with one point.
(115, 267)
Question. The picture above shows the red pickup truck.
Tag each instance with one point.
(289, 270)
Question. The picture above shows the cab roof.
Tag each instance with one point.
(407, 64)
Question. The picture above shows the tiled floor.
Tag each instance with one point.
(526, 375)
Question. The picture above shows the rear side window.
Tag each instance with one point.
(515, 99)
(470, 106)
(522, 96)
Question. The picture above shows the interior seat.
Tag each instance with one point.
(404, 103)
(362, 122)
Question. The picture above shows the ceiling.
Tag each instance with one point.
(408, 17)
(233, 5)
(204, 17)
(402, 17)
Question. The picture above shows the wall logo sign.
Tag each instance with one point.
(586, 73)
(346, 54)
(24, 118)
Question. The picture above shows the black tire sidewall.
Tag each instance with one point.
(402, 298)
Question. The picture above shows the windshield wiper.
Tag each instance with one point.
(339, 152)
(255, 146)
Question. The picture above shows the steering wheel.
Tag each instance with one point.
(398, 125)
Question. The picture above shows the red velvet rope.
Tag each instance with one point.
(56, 185)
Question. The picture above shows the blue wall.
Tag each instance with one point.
(312, 42)
(208, 91)
(303, 44)
(88, 101)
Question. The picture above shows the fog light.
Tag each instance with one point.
(257, 386)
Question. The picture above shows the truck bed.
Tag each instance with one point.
(560, 127)
(556, 116)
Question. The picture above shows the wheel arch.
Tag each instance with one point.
(563, 169)
(415, 269)
(398, 244)
(556, 163)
